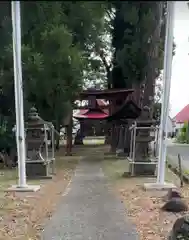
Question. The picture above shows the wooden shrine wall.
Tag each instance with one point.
(91, 127)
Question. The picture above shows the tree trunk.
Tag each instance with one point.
(120, 145)
(108, 136)
(69, 137)
(127, 139)
(78, 138)
(142, 152)
(122, 151)
(113, 139)
(57, 136)
(153, 57)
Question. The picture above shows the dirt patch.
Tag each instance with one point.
(144, 207)
(23, 215)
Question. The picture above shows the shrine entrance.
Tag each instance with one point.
(119, 116)
(110, 117)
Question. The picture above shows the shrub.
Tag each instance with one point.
(183, 136)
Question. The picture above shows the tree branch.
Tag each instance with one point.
(106, 65)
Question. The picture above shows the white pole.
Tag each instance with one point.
(166, 91)
(20, 135)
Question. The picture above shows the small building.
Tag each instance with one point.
(181, 118)
(93, 127)
(105, 110)
(170, 127)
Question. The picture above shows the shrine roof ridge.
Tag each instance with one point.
(106, 91)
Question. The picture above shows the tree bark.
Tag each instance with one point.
(107, 67)
(120, 145)
(69, 137)
(108, 136)
(153, 57)
(113, 138)
(142, 152)
(127, 139)
(57, 136)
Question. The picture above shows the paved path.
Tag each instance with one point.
(89, 210)
(174, 149)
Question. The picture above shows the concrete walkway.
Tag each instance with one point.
(89, 210)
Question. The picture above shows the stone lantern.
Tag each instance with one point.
(37, 162)
(142, 159)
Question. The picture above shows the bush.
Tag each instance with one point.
(7, 137)
(183, 136)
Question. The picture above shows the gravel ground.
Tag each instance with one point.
(89, 210)
(143, 208)
(22, 215)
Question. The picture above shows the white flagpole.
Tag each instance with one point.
(20, 135)
(18, 87)
(168, 56)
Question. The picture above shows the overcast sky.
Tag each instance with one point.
(180, 68)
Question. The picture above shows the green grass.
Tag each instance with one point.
(63, 162)
(93, 141)
(171, 177)
(9, 177)
(114, 169)
(98, 140)
(184, 170)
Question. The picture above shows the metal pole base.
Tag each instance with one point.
(159, 186)
(27, 188)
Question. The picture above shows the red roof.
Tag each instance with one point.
(101, 103)
(92, 115)
(85, 113)
(183, 115)
(105, 94)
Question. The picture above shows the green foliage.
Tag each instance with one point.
(183, 136)
(133, 28)
(7, 138)
(59, 40)
(157, 111)
(64, 36)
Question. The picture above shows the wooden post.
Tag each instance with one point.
(180, 170)
(69, 137)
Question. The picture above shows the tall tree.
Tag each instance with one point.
(58, 41)
(138, 39)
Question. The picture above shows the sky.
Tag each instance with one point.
(179, 95)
